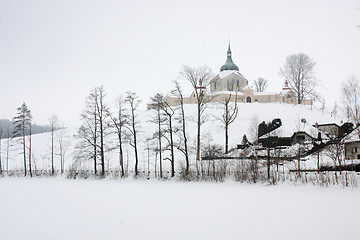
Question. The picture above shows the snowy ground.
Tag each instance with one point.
(106, 209)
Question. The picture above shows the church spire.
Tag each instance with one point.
(229, 64)
(229, 51)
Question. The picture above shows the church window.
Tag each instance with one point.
(248, 99)
(237, 84)
(289, 96)
(230, 84)
(214, 85)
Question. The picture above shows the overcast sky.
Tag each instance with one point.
(53, 53)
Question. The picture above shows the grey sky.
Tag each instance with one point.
(52, 53)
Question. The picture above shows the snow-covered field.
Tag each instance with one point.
(49, 208)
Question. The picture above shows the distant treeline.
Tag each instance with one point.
(7, 128)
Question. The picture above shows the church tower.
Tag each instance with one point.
(229, 79)
(229, 64)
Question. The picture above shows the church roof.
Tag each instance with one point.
(226, 73)
(229, 64)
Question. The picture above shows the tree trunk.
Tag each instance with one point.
(172, 149)
(102, 147)
(185, 138)
(52, 150)
(7, 153)
(160, 149)
(268, 164)
(30, 151)
(198, 135)
(24, 152)
(95, 142)
(135, 143)
(121, 157)
(318, 162)
(226, 138)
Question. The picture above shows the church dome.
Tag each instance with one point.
(229, 64)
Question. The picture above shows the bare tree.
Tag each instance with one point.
(29, 147)
(323, 106)
(169, 113)
(184, 149)
(104, 117)
(159, 104)
(95, 119)
(229, 115)
(156, 105)
(88, 131)
(21, 129)
(54, 122)
(199, 78)
(351, 100)
(119, 121)
(254, 137)
(336, 153)
(8, 139)
(61, 140)
(334, 110)
(299, 72)
(260, 84)
(133, 100)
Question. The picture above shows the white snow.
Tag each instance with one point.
(57, 209)
(228, 92)
(288, 128)
(224, 74)
(352, 137)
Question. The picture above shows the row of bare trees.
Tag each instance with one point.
(98, 123)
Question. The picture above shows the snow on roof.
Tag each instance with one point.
(224, 74)
(352, 137)
(326, 124)
(227, 92)
(288, 128)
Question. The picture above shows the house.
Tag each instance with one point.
(330, 129)
(352, 145)
(333, 130)
(288, 135)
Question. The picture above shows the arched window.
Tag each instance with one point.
(248, 99)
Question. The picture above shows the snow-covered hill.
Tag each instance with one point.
(212, 133)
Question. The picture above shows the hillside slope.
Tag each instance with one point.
(212, 133)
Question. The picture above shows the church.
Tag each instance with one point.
(230, 82)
